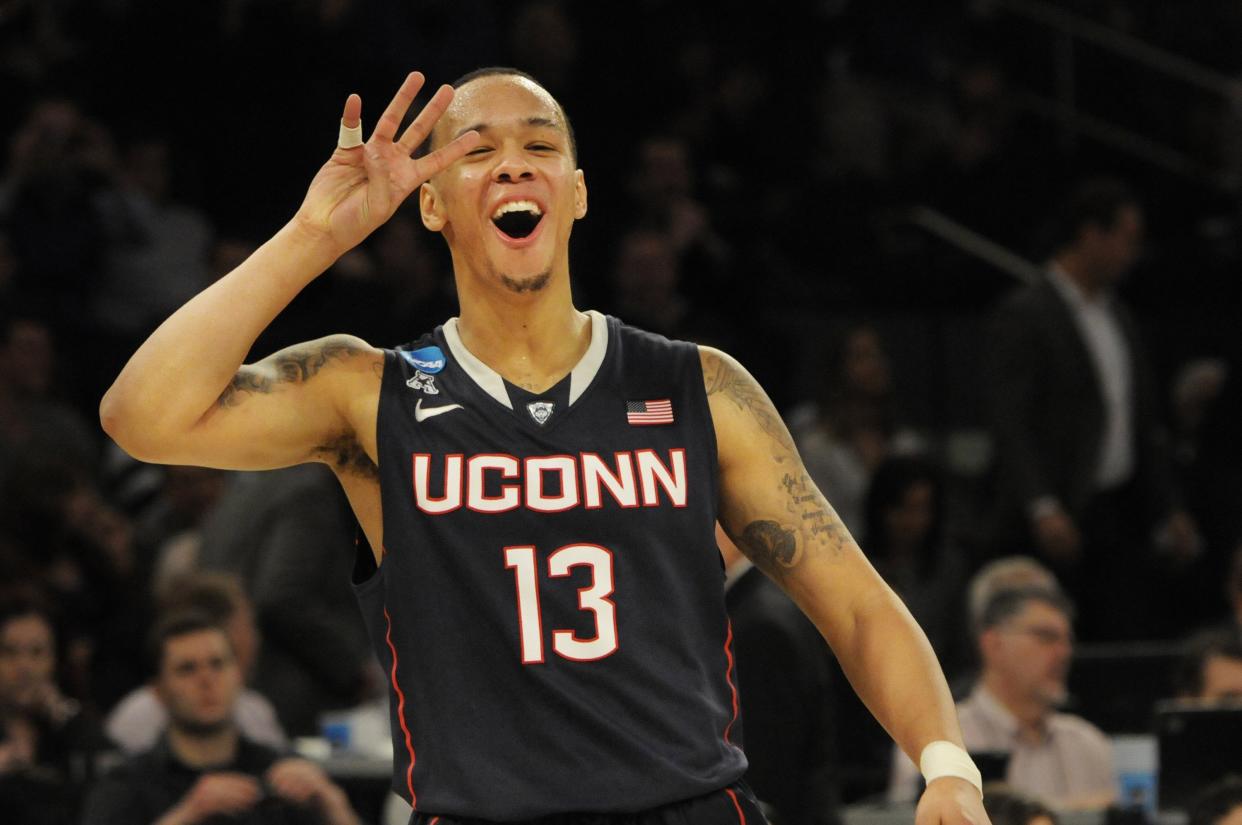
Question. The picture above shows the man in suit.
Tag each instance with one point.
(1082, 480)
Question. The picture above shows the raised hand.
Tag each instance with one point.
(358, 189)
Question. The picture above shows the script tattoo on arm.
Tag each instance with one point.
(779, 541)
(295, 365)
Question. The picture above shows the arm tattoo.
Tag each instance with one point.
(812, 526)
(769, 545)
(819, 524)
(295, 365)
(721, 376)
(808, 524)
(345, 454)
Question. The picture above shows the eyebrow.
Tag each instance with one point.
(530, 121)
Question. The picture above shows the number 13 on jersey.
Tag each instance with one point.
(524, 564)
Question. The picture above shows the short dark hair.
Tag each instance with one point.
(1216, 801)
(173, 626)
(509, 71)
(18, 603)
(217, 595)
(1096, 202)
(1005, 604)
(889, 485)
(1006, 806)
(1208, 644)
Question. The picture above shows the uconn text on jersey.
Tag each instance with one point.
(498, 483)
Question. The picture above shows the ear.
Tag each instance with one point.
(580, 195)
(430, 207)
(988, 642)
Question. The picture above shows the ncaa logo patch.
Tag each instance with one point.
(541, 411)
(428, 359)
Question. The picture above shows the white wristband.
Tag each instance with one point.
(942, 758)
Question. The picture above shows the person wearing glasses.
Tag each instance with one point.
(1025, 641)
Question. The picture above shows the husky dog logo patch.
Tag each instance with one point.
(541, 411)
(423, 381)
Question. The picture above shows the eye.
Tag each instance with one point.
(541, 147)
(478, 150)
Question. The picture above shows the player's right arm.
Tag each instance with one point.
(186, 397)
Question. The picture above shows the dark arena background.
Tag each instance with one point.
(843, 194)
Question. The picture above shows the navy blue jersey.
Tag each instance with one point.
(550, 606)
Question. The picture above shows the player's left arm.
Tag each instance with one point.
(777, 516)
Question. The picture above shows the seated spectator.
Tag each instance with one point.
(1219, 804)
(1006, 573)
(1211, 671)
(852, 427)
(203, 767)
(785, 689)
(1025, 646)
(32, 419)
(1006, 806)
(48, 747)
(139, 720)
(907, 541)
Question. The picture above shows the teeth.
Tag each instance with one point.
(517, 206)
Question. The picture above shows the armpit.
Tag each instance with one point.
(346, 456)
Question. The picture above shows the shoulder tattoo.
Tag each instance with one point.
(295, 365)
(723, 376)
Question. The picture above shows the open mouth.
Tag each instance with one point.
(517, 219)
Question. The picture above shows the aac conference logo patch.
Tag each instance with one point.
(428, 359)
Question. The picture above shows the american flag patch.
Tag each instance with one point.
(644, 413)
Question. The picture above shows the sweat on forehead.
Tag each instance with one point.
(474, 104)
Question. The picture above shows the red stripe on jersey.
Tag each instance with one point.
(741, 817)
(434, 820)
(728, 647)
(409, 746)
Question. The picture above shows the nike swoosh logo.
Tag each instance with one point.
(422, 415)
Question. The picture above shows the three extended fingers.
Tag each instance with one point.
(416, 132)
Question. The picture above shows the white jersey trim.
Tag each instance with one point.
(580, 377)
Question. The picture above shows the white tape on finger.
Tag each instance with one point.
(350, 136)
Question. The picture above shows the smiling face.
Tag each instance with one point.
(508, 207)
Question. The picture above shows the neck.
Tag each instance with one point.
(532, 339)
(1073, 265)
(198, 750)
(1030, 713)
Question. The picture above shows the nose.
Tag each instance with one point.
(512, 166)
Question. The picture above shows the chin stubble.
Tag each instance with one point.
(532, 284)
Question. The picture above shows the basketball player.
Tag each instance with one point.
(539, 486)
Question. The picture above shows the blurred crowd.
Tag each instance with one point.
(752, 179)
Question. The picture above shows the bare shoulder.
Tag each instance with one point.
(739, 403)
